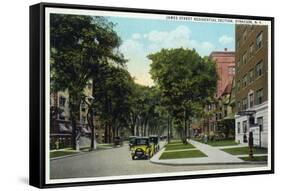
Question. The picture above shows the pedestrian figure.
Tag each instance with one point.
(205, 139)
(57, 143)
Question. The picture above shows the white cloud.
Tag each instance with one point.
(136, 50)
(225, 39)
(179, 37)
(136, 36)
(171, 39)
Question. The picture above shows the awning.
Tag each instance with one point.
(86, 130)
(63, 128)
(231, 116)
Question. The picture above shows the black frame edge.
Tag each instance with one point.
(272, 95)
(37, 95)
(154, 11)
(35, 128)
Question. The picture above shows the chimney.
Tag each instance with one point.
(225, 49)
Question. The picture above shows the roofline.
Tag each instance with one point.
(222, 52)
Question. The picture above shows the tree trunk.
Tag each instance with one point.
(90, 119)
(106, 140)
(74, 133)
(168, 129)
(185, 128)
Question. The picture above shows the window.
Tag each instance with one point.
(238, 84)
(244, 81)
(231, 70)
(244, 126)
(251, 50)
(62, 115)
(251, 99)
(244, 58)
(245, 34)
(62, 101)
(259, 41)
(238, 105)
(238, 63)
(259, 95)
(83, 107)
(260, 123)
(238, 127)
(238, 43)
(83, 120)
(251, 75)
(259, 68)
(244, 103)
(89, 85)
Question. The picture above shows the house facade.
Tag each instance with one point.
(217, 109)
(60, 124)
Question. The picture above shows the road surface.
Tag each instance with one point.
(117, 161)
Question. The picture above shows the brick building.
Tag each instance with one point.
(251, 83)
(225, 65)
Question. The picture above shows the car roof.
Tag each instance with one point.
(142, 137)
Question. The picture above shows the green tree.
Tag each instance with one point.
(79, 46)
(185, 80)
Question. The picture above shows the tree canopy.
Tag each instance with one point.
(185, 80)
(80, 46)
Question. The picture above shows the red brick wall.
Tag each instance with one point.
(224, 60)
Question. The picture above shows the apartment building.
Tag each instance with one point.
(251, 79)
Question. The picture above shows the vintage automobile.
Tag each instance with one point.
(118, 141)
(155, 139)
(142, 148)
(132, 141)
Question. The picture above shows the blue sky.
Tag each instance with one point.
(141, 37)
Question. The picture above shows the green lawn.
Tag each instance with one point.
(54, 154)
(218, 143)
(257, 158)
(178, 146)
(245, 150)
(175, 141)
(182, 154)
(222, 143)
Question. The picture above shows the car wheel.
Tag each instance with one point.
(133, 157)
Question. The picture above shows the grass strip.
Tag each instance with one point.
(222, 143)
(170, 147)
(55, 154)
(244, 150)
(257, 158)
(182, 154)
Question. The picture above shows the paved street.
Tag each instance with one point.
(117, 161)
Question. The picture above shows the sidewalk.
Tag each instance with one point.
(214, 156)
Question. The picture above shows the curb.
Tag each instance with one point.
(204, 164)
(161, 149)
(78, 154)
